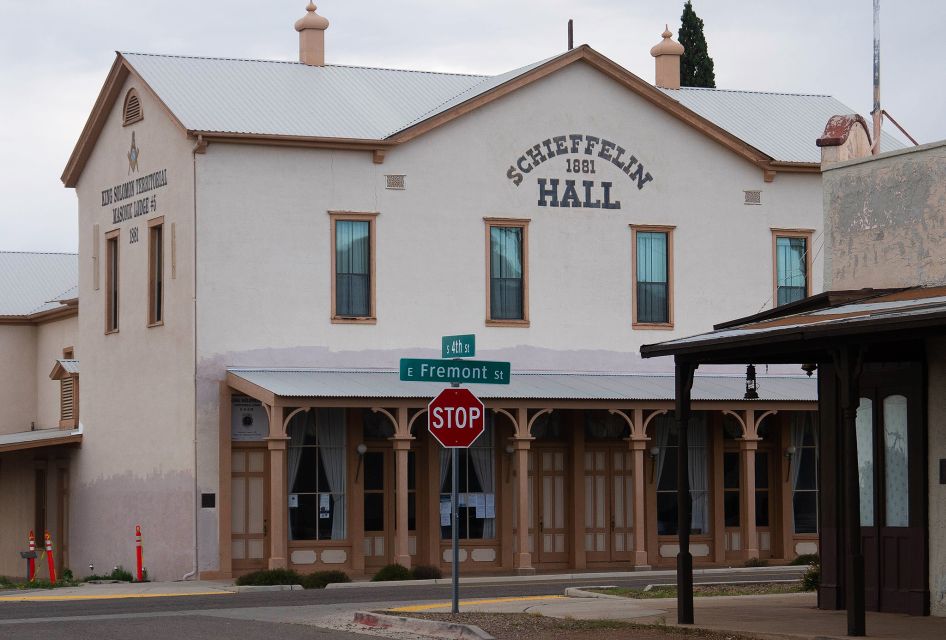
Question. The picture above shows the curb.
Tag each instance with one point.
(432, 628)
(257, 588)
(576, 592)
(565, 576)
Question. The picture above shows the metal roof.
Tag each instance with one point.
(69, 366)
(39, 438)
(35, 282)
(237, 96)
(784, 126)
(385, 383)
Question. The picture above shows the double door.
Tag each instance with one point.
(609, 503)
(548, 524)
(379, 514)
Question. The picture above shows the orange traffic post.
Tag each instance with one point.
(138, 550)
(49, 558)
(32, 561)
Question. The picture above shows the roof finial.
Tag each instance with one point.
(311, 28)
(665, 34)
(311, 7)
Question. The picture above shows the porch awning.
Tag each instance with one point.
(40, 438)
(385, 383)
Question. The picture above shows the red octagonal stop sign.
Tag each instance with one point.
(456, 418)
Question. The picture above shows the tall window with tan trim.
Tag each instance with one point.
(791, 264)
(353, 267)
(111, 281)
(156, 272)
(507, 272)
(652, 266)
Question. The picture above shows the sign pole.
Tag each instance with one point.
(456, 530)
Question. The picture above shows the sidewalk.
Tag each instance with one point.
(119, 590)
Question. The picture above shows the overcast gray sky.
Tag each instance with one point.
(54, 56)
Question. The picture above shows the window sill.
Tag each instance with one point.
(160, 323)
(110, 332)
(507, 323)
(345, 320)
(658, 326)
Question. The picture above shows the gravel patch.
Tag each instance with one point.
(706, 590)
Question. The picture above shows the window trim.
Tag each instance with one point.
(522, 223)
(777, 233)
(361, 216)
(153, 224)
(668, 229)
(111, 286)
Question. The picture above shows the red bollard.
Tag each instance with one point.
(32, 561)
(50, 559)
(138, 549)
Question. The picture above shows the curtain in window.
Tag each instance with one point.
(352, 268)
(865, 459)
(661, 437)
(791, 268)
(331, 435)
(505, 273)
(799, 423)
(652, 277)
(696, 472)
(481, 455)
(294, 454)
(896, 466)
(444, 469)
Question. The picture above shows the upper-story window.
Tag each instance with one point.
(131, 110)
(353, 261)
(111, 281)
(156, 271)
(507, 278)
(792, 265)
(653, 276)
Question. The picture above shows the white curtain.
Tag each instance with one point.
(297, 428)
(864, 428)
(662, 437)
(696, 471)
(481, 455)
(896, 463)
(800, 422)
(331, 437)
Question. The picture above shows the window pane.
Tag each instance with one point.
(307, 478)
(352, 268)
(761, 470)
(896, 467)
(652, 277)
(505, 273)
(865, 459)
(807, 469)
(666, 514)
(762, 509)
(806, 511)
(304, 519)
(792, 267)
(731, 508)
(374, 512)
(731, 470)
(374, 470)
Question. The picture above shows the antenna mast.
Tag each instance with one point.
(876, 113)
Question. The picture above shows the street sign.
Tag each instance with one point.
(456, 371)
(458, 346)
(456, 418)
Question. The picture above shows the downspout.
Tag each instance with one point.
(199, 148)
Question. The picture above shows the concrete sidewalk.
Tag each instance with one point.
(120, 590)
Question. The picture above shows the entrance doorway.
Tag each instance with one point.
(379, 504)
(609, 507)
(547, 482)
(249, 525)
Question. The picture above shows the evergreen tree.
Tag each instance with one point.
(696, 66)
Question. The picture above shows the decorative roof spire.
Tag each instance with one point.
(667, 53)
(311, 28)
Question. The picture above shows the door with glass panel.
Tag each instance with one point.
(550, 525)
(609, 507)
(249, 526)
(380, 498)
(891, 472)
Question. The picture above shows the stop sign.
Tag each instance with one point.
(456, 418)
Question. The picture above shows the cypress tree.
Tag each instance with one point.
(696, 66)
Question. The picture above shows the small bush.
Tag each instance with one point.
(5, 582)
(805, 559)
(756, 562)
(392, 572)
(812, 577)
(319, 579)
(67, 575)
(269, 577)
(426, 572)
(118, 573)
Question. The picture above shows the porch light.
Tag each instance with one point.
(509, 451)
(752, 387)
(361, 449)
(789, 452)
(654, 452)
(809, 368)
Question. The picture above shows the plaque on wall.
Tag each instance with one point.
(248, 420)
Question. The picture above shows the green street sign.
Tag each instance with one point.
(458, 346)
(468, 371)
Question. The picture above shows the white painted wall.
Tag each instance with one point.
(51, 339)
(17, 377)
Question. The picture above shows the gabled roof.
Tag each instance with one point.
(340, 106)
(35, 284)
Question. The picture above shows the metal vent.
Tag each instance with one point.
(132, 111)
(753, 197)
(394, 182)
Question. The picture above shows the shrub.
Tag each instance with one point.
(66, 575)
(806, 558)
(118, 573)
(319, 579)
(5, 582)
(392, 572)
(812, 577)
(269, 577)
(426, 572)
(756, 562)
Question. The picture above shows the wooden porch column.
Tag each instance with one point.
(402, 446)
(521, 443)
(638, 447)
(577, 473)
(278, 500)
(748, 446)
(684, 385)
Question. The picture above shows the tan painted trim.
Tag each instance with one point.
(66, 311)
(155, 226)
(668, 229)
(52, 442)
(777, 233)
(112, 253)
(243, 386)
(369, 217)
(95, 257)
(522, 223)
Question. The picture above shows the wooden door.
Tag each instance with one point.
(552, 537)
(249, 523)
(609, 507)
(378, 506)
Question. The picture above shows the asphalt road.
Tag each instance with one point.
(284, 614)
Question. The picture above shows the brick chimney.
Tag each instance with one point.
(845, 137)
(311, 28)
(667, 54)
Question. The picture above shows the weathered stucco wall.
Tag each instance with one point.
(17, 377)
(937, 451)
(885, 220)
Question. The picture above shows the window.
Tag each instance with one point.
(507, 277)
(732, 473)
(68, 405)
(476, 500)
(792, 265)
(156, 272)
(803, 470)
(652, 263)
(111, 281)
(131, 113)
(353, 264)
(667, 442)
(315, 469)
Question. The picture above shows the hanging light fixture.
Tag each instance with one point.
(809, 368)
(752, 387)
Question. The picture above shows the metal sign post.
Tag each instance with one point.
(454, 499)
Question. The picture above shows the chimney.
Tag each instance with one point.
(845, 137)
(667, 53)
(311, 28)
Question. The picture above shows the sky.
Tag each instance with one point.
(54, 57)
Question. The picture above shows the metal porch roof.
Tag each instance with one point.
(39, 438)
(385, 383)
(35, 282)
